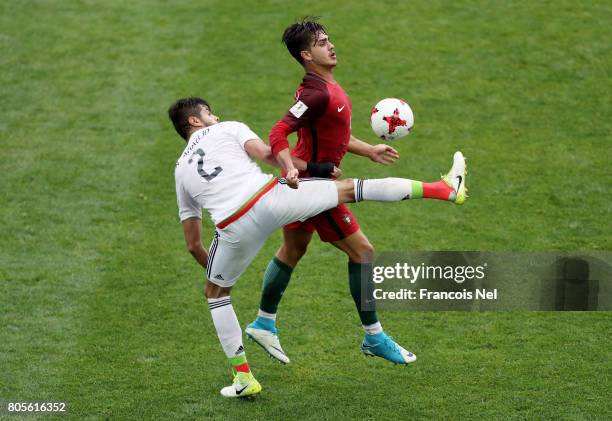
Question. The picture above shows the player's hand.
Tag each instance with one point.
(292, 178)
(384, 154)
(337, 172)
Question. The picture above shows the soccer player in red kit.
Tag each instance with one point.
(321, 115)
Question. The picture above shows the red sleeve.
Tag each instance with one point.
(310, 104)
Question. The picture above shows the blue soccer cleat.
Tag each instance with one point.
(383, 346)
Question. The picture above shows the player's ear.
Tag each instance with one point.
(195, 121)
(306, 56)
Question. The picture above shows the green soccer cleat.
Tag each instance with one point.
(455, 179)
(245, 385)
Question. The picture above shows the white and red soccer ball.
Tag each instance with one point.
(391, 119)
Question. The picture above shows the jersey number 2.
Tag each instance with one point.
(201, 171)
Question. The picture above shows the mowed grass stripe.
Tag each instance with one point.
(72, 181)
(59, 184)
(101, 362)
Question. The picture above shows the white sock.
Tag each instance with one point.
(262, 313)
(226, 323)
(383, 189)
(373, 329)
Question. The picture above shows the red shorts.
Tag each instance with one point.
(332, 225)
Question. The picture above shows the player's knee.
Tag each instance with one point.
(215, 291)
(363, 252)
(290, 254)
(346, 191)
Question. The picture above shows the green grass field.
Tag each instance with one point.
(100, 303)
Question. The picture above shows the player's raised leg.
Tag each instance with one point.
(375, 342)
(452, 187)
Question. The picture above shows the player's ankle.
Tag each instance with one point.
(373, 329)
(438, 190)
(262, 322)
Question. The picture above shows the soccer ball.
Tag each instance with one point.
(391, 119)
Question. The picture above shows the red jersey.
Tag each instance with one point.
(322, 117)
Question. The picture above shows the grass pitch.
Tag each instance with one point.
(101, 305)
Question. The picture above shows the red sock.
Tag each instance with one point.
(239, 362)
(438, 190)
(243, 368)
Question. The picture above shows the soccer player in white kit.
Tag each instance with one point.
(216, 172)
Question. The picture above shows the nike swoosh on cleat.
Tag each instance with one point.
(459, 184)
(264, 348)
(279, 350)
(241, 390)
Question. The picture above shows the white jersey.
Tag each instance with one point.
(215, 172)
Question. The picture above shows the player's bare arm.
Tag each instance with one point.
(381, 153)
(192, 229)
(299, 163)
(293, 165)
(256, 148)
(284, 159)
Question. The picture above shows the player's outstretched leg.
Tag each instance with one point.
(452, 187)
(230, 336)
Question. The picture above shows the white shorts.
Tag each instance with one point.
(236, 245)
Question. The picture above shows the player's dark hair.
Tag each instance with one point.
(301, 36)
(181, 110)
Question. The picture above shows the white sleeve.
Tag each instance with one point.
(244, 133)
(188, 207)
